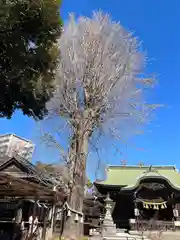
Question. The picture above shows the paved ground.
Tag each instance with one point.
(147, 236)
(166, 236)
(162, 236)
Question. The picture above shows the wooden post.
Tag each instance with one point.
(44, 226)
(33, 217)
(17, 223)
(62, 221)
(52, 220)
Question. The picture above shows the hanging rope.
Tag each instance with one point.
(72, 210)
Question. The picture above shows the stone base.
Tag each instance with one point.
(125, 236)
(109, 230)
(120, 237)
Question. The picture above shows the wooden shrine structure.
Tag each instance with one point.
(93, 209)
(26, 195)
(146, 197)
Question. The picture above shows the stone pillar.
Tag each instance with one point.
(108, 227)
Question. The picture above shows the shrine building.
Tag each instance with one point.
(142, 193)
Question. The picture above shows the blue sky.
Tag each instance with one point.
(156, 23)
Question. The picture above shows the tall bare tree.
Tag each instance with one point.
(99, 85)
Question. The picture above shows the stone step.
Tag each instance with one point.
(130, 237)
(123, 236)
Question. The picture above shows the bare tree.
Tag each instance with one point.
(99, 87)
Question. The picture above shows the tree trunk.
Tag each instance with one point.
(77, 166)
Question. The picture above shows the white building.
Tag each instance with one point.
(12, 144)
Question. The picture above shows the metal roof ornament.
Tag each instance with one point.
(151, 170)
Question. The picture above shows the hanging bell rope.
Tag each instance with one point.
(81, 220)
(76, 218)
(72, 210)
(77, 213)
(69, 213)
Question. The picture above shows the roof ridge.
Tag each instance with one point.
(143, 167)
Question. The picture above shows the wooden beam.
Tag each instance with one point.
(15, 187)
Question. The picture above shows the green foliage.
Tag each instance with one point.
(29, 30)
(89, 184)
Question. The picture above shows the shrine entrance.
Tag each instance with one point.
(143, 196)
(150, 211)
(154, 200)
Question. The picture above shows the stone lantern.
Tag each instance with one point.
(108, 228)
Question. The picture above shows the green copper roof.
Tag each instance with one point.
(130, 176)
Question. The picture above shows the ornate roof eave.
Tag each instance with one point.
(155, 177)
(29, 172)
(135, 185)
(12, 186)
